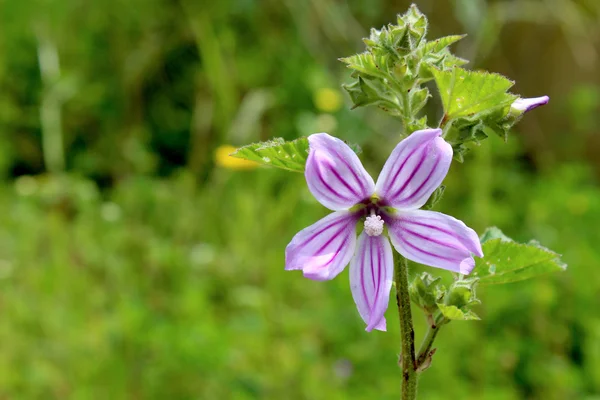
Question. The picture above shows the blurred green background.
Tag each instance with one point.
(136, 261)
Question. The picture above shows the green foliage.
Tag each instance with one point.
(426, 292)
(472, 93)
(436, 55)
(277, 153)
(506, 261)
(435, 197)
(138, 286)
(453, 303)
(368, 64)
(455, 313)
(398, 60)
(494, 233)
(435, 47)
(476, 105)
(459, 299)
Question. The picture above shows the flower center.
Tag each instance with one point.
(373, 225)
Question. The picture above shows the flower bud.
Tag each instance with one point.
(521, 106)
(426, 293)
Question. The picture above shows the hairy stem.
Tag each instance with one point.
(427, 344)
(406, 111)
(407, 359)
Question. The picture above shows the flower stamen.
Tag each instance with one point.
(373, 224)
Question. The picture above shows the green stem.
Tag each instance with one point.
(406, 114)
(427, 344)
(408, 362)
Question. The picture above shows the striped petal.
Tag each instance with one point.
(323, 249)
(435, 239)
(334, 174)
(416, 167)
(371, 276)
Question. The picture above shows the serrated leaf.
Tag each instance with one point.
(435, 46)
(277, 153)
(367, 63)
(494, 233)
(450, 61)
(472, 93)
(455, 313)
(506, 261)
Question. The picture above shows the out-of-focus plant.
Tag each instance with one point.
(392, 74)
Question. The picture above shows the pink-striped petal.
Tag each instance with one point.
(416, 167)
(334, 174)
(371, 276)
(323, 249)
(435, 239)
(524, 105)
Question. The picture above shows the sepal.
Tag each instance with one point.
(426, 292)
(459, 300)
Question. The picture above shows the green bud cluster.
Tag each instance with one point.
(442, 304)
(398, 61)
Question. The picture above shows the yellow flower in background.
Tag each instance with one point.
(224, 160)
(327, 100)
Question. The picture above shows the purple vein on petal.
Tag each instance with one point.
(409, 179)
(425, 182)
(314, 235)
(364, 190)
(408, 243)
(431, 239)
(343, 182)
(437, 228)
(400, 168)
(362, 276)
(332, 191)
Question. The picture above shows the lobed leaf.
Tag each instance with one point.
(437, 45)
(472, 93)
(507, 261)
(368, 64)
(277, 153)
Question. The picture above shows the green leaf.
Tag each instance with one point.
(368, 64)
(418, 98)
(367, 90)
(493, 233)
(472, 93)
(455, 313)
(450, 61)
(437, 45)
(435, 197)
(277, 153)
(462, 293)
(426, 292)
(417, 25)
(281, 154)
(507, 261)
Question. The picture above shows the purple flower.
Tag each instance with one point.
(337, 179)
(524, 105)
